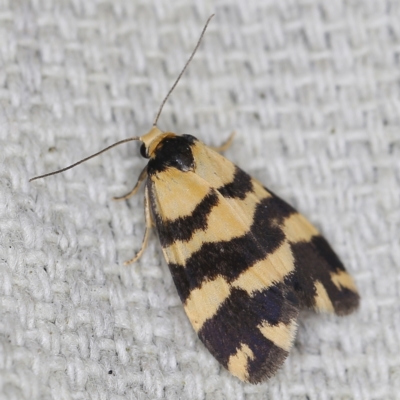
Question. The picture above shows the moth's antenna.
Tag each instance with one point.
(183, 70)
(85, 159)
(154, 123)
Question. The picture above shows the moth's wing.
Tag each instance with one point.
(229, 260)
(319, 277)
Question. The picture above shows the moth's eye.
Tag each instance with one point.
(143, 151)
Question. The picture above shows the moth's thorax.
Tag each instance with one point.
(168, 150)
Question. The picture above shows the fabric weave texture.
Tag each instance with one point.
(312, 89)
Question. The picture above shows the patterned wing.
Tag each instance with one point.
(228, 273)
(319, 277)
(243, 262)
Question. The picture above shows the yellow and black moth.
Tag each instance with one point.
(244, 262)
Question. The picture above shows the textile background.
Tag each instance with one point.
(312, 89)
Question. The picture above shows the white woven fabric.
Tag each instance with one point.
(312, 89)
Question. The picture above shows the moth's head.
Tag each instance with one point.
(151, 140)
(166, 149)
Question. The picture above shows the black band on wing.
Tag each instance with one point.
(231, 258)
(314, 261)
(241, 315)
(183, 228)
(239, 187)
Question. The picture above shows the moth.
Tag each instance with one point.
(244, 262)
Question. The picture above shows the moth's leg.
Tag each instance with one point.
(147, 215)
(142, 177)
(224, 146)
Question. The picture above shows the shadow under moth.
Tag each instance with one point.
(244, 262)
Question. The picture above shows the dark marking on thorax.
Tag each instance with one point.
(173, 152)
